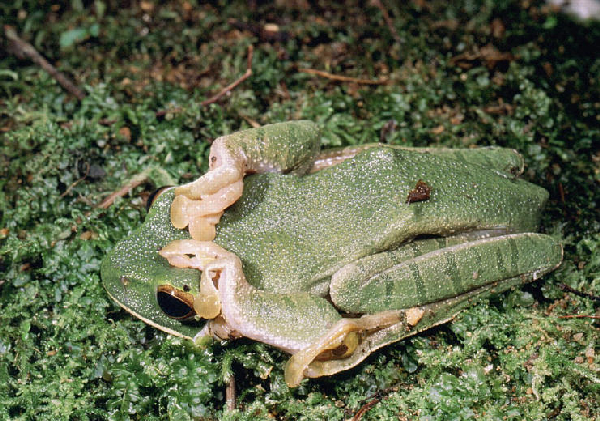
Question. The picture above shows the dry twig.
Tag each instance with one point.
(579, 316)
(230, 393)
(68, 190)
(250, 121)
(363, 410)
(24, 49)
(376, 398)
(223, 91)
(488, 55)
(387, 19)
(343, 78)
(582, 294)
(233, 85)
(126, 189)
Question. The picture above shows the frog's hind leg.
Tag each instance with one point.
(333, 156)
(341, 341)
(419, 285)
(507, 162)
(409, 322)
(432, 270)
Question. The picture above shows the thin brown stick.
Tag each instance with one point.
(233, 85)
(579, 316)
(363, 410)
(66, 192)
(582, 294)
(343, 78)
(375, 399)
(250, 121)
(387, 19)
(126, 189)
(163, 113)
(24, 49)
(230, 393)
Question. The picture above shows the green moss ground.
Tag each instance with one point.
(510, 73)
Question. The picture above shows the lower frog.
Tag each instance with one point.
(330, 255)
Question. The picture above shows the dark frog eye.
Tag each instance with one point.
(175, 303)
(155, 195)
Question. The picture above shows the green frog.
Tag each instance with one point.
(330, 255)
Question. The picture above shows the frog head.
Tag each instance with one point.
(146, 285)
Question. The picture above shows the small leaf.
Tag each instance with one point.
(100, 8)
(73, 36)
(94, 30)
(9, 74)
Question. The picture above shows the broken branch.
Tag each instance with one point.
(363, 410)
(233, 85)
(387, 19)
(582, 294)
(24, 49)
(126, 189)
(343, 78)
(230, 393)
(68, 190)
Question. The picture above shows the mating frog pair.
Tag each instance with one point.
(330, 256)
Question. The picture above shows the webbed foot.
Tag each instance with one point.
(341, 341)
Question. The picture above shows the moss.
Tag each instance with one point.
(507, 73)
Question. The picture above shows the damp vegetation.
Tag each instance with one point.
(125, 97)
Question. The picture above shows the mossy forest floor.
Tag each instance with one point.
(511, 73)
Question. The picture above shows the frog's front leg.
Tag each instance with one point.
(290, 322)
(284, 147)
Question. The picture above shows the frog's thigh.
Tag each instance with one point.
(333, 156)
(431, 270)
(505, 160)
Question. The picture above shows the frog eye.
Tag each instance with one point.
(175, 303)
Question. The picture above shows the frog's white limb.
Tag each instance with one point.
(212, 260)
(254, 313)
(201, 203)
(414, 315)
(207, 303)
(203, 228)
(202, 215)
(219, 328)
(225, 168)
(198, 255)
(188, 253)
(300, 361)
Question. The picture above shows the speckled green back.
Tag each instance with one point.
(293, 232)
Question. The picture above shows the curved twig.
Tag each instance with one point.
(24, 49)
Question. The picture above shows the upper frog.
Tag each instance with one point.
(330, 256)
